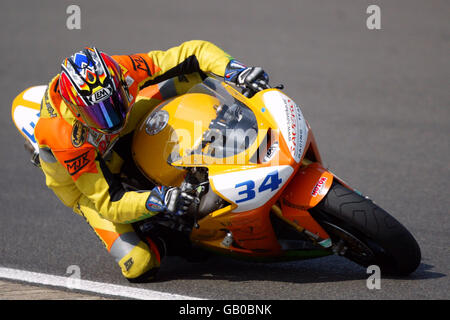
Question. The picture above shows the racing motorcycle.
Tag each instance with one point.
(261, 192)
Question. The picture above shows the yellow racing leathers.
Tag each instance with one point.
(82, 166)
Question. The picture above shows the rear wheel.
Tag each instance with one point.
(365, 233)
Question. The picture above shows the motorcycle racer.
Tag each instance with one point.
(87, 119)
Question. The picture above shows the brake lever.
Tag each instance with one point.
(254, 88)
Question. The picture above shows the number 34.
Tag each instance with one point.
(271, 181)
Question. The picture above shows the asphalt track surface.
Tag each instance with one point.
(378, 102)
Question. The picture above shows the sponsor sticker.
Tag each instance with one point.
(101, 95)
(290, 120)
(295, 132)
(319, 186)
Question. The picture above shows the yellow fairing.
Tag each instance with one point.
(238, 161)
(190, 116)
(162, 156)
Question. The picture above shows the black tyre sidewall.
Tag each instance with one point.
(395, 250)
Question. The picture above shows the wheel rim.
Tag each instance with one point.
(356, 249)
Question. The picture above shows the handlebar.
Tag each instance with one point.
(257, 86)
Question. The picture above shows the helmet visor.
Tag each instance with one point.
(108, 115)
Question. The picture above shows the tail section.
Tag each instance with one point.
(26, 111)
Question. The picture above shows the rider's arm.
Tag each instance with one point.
(95, 181)
(189, 57)
(107, 193)
(73, 174)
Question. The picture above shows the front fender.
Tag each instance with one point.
(306, 190)
(309, 186)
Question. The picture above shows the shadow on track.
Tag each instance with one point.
(321, 270)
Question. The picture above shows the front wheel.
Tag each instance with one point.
(365, 233)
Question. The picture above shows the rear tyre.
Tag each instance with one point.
(365, 233)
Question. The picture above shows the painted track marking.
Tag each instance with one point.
(89, 286)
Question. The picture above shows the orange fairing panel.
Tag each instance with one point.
(309, 186)
(306, 190)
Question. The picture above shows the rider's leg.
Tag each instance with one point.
(138, 260)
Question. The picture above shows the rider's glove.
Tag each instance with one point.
(243, 76)
(171, 200)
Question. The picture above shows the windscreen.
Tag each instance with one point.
(234, 127)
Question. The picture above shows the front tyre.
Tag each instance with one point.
(365, 233)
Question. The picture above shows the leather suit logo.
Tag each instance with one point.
(79, 134)
(46, 102)
(75, 165)
(127, 264)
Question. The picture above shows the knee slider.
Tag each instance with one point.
(133, 256)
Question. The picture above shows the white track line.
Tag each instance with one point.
(90, 286)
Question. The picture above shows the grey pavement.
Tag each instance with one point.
(378, 102)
